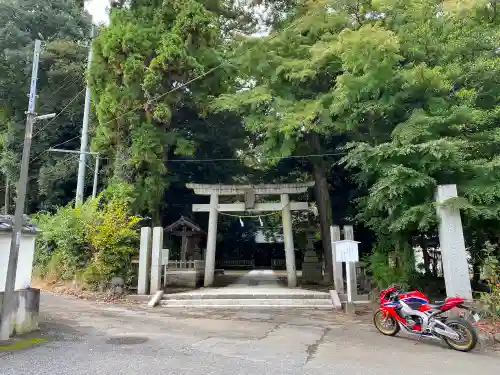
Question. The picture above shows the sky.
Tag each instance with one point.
(98, 10)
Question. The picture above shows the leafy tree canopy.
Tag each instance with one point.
(63, 29)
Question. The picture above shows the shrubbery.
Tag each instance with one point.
(491, 299)
(391, 263)
(91, 243)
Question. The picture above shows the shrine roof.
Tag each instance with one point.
(184, 222)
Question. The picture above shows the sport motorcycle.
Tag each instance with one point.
(413, 312)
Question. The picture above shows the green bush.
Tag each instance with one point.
(61, 246)
(491, 299)
(113, 240)
(93, 242)
(391, 263)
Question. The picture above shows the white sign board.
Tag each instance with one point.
(346, 251)
(164, 256)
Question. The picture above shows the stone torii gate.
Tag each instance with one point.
(249, 192)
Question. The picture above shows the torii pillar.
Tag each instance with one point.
(249, 192)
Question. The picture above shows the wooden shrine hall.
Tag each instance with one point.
(190, 234)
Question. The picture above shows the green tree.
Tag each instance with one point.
(413, 84)
(286, 90)
(420, 92)
(146, 90)
(63, 28)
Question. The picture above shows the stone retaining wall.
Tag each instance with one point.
(27, 311)
(187, 278)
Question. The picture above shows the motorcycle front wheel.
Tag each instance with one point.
(385, 324)
(468, 335)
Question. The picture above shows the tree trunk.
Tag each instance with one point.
(156, 218)
(435, 260)
(120, 164)
(324, 205)
(476, 270)
(425, 253)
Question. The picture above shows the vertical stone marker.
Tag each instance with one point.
(452, 244)
(156, 260)
(288, 238)
(144, 261)
(338, 274)
(211, 240)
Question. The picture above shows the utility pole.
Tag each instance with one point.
(96, 177)
(85, 131)
(8, 296)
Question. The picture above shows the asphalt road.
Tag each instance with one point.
(96, 339)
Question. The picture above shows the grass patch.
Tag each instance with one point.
(21, 344)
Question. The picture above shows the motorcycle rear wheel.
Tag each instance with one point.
(386, 325)
(467, 333)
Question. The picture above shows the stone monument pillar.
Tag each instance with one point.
(156, 260)
(452, 244)
(197, 254)
(337, 266)
(144, 261)
(211, 240)
(288, 239)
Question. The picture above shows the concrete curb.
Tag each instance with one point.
(156, 298)
(337, 305)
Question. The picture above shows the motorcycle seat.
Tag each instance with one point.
(437, 304)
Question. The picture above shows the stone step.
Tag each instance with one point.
(362, 298)
(248, 295)
(249, 303)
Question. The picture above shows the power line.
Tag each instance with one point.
(65, 86)
(59, 144)
(45, 106)
(208, 160)
(63, 162)
(59, 113)
(168, 92)
(259, 158)
(63, 143)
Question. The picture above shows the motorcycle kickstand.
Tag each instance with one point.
(419, 337)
